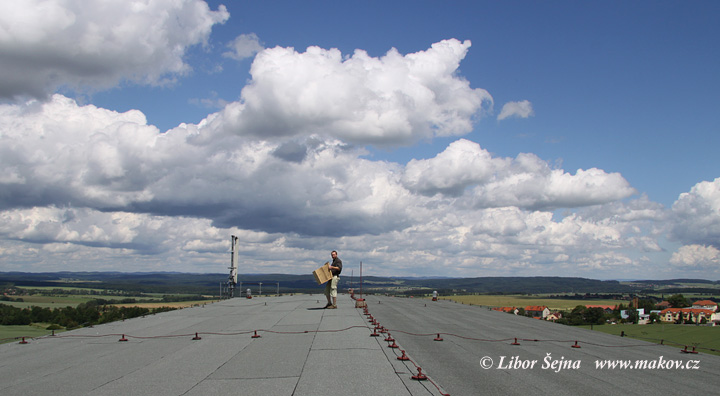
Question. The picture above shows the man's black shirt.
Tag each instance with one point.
(336, 263)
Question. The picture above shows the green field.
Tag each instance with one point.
(705, 338)
(72, 300)
(519, 301)
(15, 333)
(50, 301)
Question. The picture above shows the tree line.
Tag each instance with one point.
(85, 314)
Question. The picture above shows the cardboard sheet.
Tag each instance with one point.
(322, 274)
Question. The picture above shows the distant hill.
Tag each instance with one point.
(175, 282)
(532, 285)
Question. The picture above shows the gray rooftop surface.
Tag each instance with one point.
(302, 350)
(475, 355)
(306, 350)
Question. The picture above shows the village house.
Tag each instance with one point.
(608, 309)
(511, 310)
(705, 304)
(695, 315)
(537, 311)
(554, 316)
(643, 318)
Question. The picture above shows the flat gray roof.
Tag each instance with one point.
(477, 355)
(302, 350)
(306, 350)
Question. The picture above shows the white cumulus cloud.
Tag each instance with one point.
(697, 215)
(522, 109)
(93, 45)
(244, 46)
(93, 178)
(462, 164)
(528, 182)
(697, 257)
(525, 181)
(284, 168)
(391, 100)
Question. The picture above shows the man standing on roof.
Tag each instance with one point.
(331, 287)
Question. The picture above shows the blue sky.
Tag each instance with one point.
(399, 155)
(610, 82)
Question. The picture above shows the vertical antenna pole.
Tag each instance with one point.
(361, 282)
(232, 279)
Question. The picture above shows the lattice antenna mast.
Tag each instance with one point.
(232, 279)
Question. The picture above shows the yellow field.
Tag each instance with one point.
(519, 301)
(71, 300)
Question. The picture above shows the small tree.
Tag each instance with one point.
(654, 318)
(680, 318)
(633, 316)
(689, 319)
(648, 305)
(594, 315)
(678, 301)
